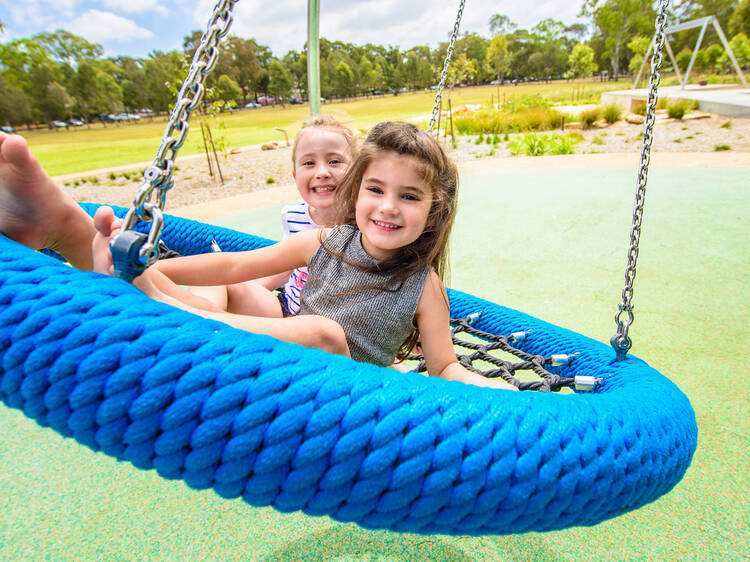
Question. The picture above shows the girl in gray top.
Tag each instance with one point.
(374, 283)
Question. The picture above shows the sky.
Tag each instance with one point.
(137, 27)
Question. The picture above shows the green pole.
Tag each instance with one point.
(313, 56)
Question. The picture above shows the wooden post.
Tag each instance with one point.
(450, 116)
(205, 147)
(216, 156)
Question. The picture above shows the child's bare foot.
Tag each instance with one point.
(35, 211)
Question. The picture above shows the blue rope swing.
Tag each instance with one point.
(299, 429)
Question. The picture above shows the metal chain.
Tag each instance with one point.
(624, 316)
(150, 199)
(446, 65)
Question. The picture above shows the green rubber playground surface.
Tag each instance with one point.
(552, 243)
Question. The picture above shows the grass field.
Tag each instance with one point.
(559, 243)
(84, 149)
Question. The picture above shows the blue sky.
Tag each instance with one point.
(137, 27)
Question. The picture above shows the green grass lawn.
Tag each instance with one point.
(90, 148)
(552, 243)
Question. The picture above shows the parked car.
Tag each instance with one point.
(57, 125)
(75, 122)
(295, 101)
(252, 105)
(7, 129)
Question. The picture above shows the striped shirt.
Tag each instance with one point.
(295, 218)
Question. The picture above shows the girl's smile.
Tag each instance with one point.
(392, 204)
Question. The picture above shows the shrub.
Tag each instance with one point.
(112, 175)
(589, 117)
(612, 113)
(530, 144)
(722, 147)
(639, 107)
(727, 125)
(575, 136)
(597, 140)
(563, 144)
(679, 108)
(480, 139)
(270, 180)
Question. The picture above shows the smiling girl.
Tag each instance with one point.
(374, 281)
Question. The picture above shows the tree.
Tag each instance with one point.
(279, 84)
(108, 95)
(15, 108)
(461, 70)
(616, 21)
(740, 46)
(228, 90)
(713, 54)
(501, 24)
(692, 9)
(67, 47)
(498, 56)
(84, 89)
(581, 61)
(683, 58)
(344, 79)
(638, 45)
(56, 103)
(164, 73)
(367, 74)
(739, 21)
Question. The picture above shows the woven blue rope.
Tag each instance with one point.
(298, 429)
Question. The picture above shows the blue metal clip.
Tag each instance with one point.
(125, 248)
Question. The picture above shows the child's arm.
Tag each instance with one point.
(433, 320)
(226, 268)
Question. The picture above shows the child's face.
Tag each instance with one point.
(321, 160)
(392, 205)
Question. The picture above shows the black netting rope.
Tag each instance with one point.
(506, 370)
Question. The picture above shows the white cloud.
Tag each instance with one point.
(98, 26)
(282, 24)
(39, 13)
(136, 6)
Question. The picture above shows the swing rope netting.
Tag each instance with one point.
(299, 429)
(484, 348)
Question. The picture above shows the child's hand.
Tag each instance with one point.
(457, 372)
(107, 227)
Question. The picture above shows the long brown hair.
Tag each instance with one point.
(430, 249)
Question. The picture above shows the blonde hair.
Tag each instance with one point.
(328, 123)
(430, 249)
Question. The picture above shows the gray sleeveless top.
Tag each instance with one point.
(376, 322)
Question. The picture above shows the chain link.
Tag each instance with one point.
(150, 198)
(446, 65)
(624, 316)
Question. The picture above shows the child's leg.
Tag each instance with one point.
(308, 330)
(35, 211)
(253, 299)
